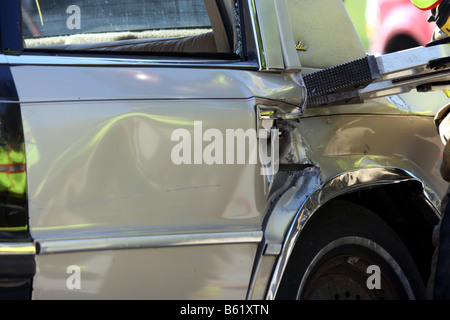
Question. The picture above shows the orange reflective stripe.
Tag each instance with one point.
(426, 4)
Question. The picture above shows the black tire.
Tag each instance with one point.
(333, 254)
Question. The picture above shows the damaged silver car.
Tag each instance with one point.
(229, 149)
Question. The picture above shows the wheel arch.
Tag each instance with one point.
(405, 208)
(395, 195)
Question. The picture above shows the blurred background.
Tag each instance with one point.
(389, 25)
(357, 11)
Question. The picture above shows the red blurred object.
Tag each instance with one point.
(394, 25)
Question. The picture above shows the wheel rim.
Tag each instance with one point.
(340, 272)
(344, 277)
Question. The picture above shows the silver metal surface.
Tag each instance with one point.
(84, 112)
(32, 59)
(410, 62)
(290, 56)
(290, 191)
(339, 185)
(254, 23)
(153, 241)
(268, 33)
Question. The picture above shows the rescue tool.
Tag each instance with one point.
(424, 68)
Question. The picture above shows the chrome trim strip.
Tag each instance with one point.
(344, 183)
(29, 59)
(267, 35)
(153, 241)
(257, 34)
(17, 248)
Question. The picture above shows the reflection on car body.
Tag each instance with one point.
(108, 213)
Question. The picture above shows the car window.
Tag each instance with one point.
(148, 26)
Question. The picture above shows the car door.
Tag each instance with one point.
(142, 179)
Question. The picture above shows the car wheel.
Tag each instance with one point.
(347, 252)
